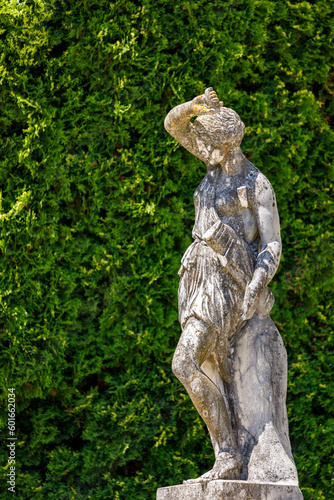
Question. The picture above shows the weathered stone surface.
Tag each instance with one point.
(230, 356)
(255, 398)
(230, 490)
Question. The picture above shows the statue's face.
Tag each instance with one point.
(210, 153)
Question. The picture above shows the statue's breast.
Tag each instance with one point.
(233, 208)
(227, 201)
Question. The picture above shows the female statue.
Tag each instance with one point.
(223, 289)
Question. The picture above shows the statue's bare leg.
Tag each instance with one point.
(195, 345)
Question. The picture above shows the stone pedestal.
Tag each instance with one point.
(230, 490)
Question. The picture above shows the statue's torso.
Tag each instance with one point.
(231, 197)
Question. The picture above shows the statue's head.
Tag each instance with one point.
(219, 131)
(223, 128)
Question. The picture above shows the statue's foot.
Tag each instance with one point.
(227, 466)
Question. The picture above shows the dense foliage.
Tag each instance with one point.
(97, 210)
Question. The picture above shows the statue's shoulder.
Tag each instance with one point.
(258, 186)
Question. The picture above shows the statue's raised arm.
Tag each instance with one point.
(178, 124)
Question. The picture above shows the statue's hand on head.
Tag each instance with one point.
(207, 103)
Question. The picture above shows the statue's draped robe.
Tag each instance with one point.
(207, 290)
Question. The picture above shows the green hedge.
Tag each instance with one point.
(97, 210)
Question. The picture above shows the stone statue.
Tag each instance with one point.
(230, 357)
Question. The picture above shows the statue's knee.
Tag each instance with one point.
(177, 366)
(180, 368)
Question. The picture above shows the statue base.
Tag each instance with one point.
(230, 490)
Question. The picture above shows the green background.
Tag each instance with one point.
(96, 211)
